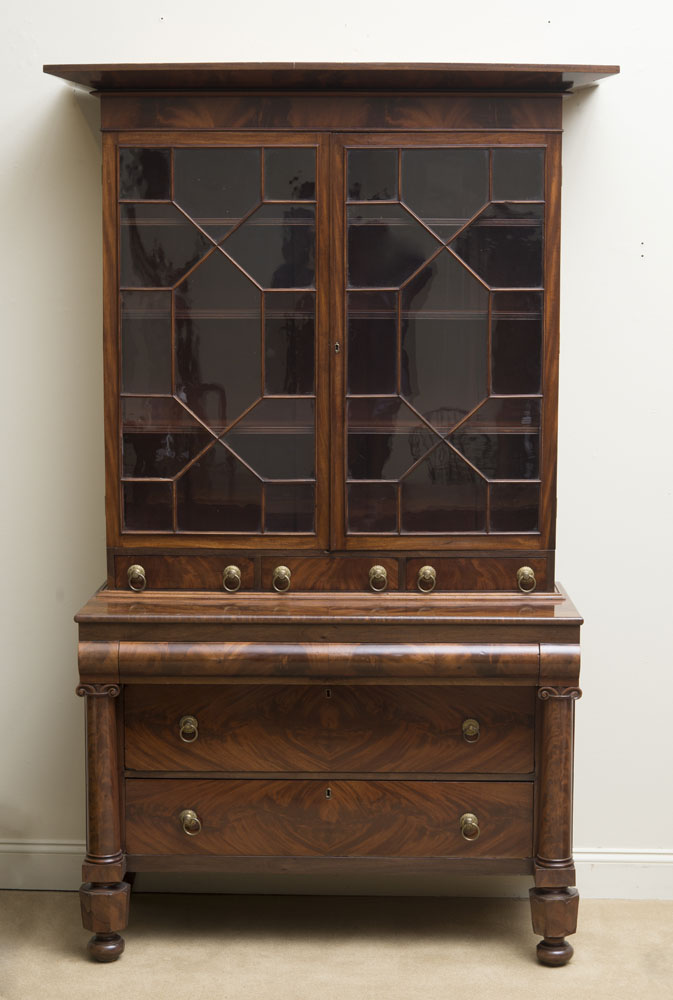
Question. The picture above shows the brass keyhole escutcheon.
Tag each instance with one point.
(189, 729)
(427, 579)
(378, 578)
(281, 579)
(191, 824)
(328, 793)
(471, 730)
(136, 577)
(469, 826)
(231, 579)
(525, 577)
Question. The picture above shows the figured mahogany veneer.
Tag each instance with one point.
(342, 818)
(336, 728)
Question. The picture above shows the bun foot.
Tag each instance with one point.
(106, 947)
(554, 951)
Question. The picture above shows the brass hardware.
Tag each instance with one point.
(378, 578)
(136, 577)
(427, 578)
(281, 579)
(231, 579)
(337, 347)
(328, 793)
(189, 729)
(525, 577)
(471, 730)
(191, 824)
(469, 826)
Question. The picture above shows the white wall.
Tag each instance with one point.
(615, 469)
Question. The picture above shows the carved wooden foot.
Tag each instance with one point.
(554, 913)
(105, 910)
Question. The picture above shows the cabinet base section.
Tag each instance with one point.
(328, 866)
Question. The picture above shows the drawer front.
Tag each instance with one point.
(330, 573)
(185, 572)
(363, 728)
(493, 573)
(280, 818)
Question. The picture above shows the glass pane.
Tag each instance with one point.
(218, 341)
(148, 506)
(144, 174)
(516, 342)
(514, 506)
(444, 342)
(158, 245)
(443, 494)
(385, 438)
(146, 342)
(504, 245)
(372, 342)
(502, 438)
(218, 493)
(385, 245)
(289, 174)
(518, 174)
(445, 187)
(372, 507)
(217, 187)
(160, 414)
(288, 506)
(277, 438)
(276, 246)
(289, 339)
(372, 174)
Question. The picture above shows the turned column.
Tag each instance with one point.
(104, 897)
(554, 901)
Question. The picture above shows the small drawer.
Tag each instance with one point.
(186, 572)
(343, 728)
(484, 573)
(349, 573)
(281, 818)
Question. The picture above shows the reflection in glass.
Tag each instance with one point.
(385, 245)
(144, 174)
(372, 507)
(276, 246)
(217, 187)
(502, 438)
(445, 187)
(218, 493)
(218, 341)
(372, 174)
(443, 494)
(155, 413)
(277, 438)
(372, 342)
(444, 341)
(504, 245)
(147, 506)
(514, 506)
(288, 506)
(146, 342)
(385, 438)
(157, 245)
(289, 174)
(518, 174)
(289, 339)
(160, 455)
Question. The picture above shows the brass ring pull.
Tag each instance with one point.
(378, 578)
(469, 826)
(525, 577)
(136, 577)
(191, 824)
(281, 579)
(427, 579)
(189, 729)
(231, 579)
(471, 730)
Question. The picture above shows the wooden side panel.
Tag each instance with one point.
(317, 818)
(319, 728)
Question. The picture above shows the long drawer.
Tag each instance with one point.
(290, 818)
(352, 728)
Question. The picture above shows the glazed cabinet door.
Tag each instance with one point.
(446, 306)
(216, 388)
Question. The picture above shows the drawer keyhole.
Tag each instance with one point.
(328, 793)
(328, 692)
